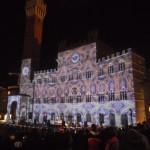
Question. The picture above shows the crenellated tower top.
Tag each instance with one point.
(36, 7)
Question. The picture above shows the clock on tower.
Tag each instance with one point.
(25, 71)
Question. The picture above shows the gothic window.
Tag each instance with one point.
(101, 97)
(88, 117)
(122, 66)
(88, 74)
(110, 69)
(101, 72)
(88, 98)
(70, 100)
(111, 96)
(123, 95)
(78, 99)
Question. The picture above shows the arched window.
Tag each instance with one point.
(110, 69)
(101, 72)
(123, 89)
(101, 97)
(89, 74)
(111, 96)
(88, 98)
(121, 66)
(123, 95)
(111, 90)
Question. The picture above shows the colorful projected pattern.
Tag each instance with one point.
(85, 83)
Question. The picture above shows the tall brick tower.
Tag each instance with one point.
(35, 14)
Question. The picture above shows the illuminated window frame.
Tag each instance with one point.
(123, 95)
(121, 66)
(110, 69)
(111, 96)
(101, 97)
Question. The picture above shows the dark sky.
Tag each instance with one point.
(120, 25)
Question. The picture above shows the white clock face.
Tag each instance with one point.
(25, 71)
(75, 57)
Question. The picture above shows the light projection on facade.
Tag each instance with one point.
(83, 89)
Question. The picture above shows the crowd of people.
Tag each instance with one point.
(95, 137)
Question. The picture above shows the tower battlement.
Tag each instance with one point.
(114, 55)
(36, 7)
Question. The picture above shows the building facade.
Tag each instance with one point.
(83, 88)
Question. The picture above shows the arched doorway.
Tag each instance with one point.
(13, 109)
(70, 118)
(112, 119)
(78, 117)
(101, 118)
(124, 120)
(88, 117)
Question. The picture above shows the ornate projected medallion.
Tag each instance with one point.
(75, 57)
(25, 71)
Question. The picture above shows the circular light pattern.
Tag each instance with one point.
(25, 71)
(75, 57)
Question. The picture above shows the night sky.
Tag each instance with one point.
(120, 25)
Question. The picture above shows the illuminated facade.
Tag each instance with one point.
(83, 88)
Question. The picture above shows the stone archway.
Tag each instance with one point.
(112, 120)
(79, 118)
(124, 120)
(13, 109)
